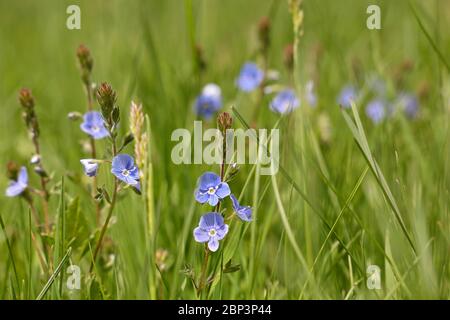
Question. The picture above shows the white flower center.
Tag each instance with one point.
(212, 232)
(95, 128)
(125, 172)
(211, 190)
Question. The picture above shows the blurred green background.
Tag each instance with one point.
(145, 50)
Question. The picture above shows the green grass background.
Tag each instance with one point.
(143, 48)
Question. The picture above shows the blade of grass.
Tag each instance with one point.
(358, 134)
(292, 182)
(11, 256)
(428, 36)
(54, 275)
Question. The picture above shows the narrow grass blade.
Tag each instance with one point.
(428, 36)
(357, 130)
(8, 245)
(54, 275)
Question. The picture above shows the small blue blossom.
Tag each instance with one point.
(124, 169)
(310, 95)
(209, 101)
(90, 168)
(243, 212)
(410, 104)
(250, 77)
(16, 188)
(376, 111)
(211, 229)
(93, 124)
(347, 95)
(211, 189)
(285, 101)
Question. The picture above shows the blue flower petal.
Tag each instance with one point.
(201, 235)
(94, 125)
(376, 111)
(209, 180)
(213, 200)
(222, 232)
(213, 244)
(90, 168)
(250, 77)
(23, 176)
(245, 213)
(223, 190)
(201, 196)
(285, 102)
(347, 95)
(234, 202)
(209, 101)
(211, 220)
(124, 162)
(15, 188)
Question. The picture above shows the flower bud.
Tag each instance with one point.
(27, 101)
(35, 159)
(74, 116)
(106, 98)
(26, 98)
(224, 121)
(12, 170)
(264, 33)
(84, 59)
(289, 56)
(40, 171)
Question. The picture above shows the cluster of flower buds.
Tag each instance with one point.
(85, 63)
(29, 115)
(264, 34)
(107, 98)
(224, 121)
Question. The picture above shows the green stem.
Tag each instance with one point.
(110, 212)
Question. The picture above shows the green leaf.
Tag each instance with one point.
(230, 267)
(76, 225)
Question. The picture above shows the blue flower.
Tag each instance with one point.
(310, 95)
(124, 169)
(243, 212)
(410, 104)
(211, 189)
(15, 188)
(211, 229)
(376, 110)
(94, 125)
(285, 101)
(90, 168)
(250, 77)
(347, 95)
(209, 101)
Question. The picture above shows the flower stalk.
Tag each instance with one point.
(27, 101)
(106, 97)
(86, 63)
